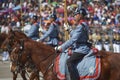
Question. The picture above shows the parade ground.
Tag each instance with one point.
(5, 73)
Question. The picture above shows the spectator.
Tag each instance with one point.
(106, 43)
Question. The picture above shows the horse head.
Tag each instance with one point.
(11, 39)
(20, 59)
(16, 55)
(7, 44)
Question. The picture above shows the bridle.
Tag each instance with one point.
(17, 62)
(20, 53)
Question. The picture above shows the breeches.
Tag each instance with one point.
(71, 62)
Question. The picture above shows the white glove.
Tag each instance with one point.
(58, 49)
(38, 40)
(67, 27)
(22, 29)
(41, 29)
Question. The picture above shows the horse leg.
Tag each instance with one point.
(23, 74)
(14, 75)
(37, 76)
(50, 75)
(34, 75)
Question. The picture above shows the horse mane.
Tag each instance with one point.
(41, 45)
(20, 34)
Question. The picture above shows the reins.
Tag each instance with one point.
(51, 65)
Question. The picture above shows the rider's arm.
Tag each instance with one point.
(73, 39)
(51, 28)
(32, 31)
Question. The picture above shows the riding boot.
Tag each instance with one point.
(73, 72)
(72, 63)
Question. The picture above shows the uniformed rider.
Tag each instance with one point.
(52, 32)
(78, 43)
(33, 32)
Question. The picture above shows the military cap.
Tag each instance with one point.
(53, 16)
(35, 17)
(80, 11)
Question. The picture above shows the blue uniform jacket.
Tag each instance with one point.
(78, 40)
(52, 33)
(33, 33)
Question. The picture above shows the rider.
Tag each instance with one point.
(78, 43)
(33, 33)
(52, 32)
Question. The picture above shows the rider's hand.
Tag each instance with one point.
(41, 29)
(58, 49)
(67, 27)
(38, 40)
(22, 29)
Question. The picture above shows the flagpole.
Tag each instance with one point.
(40, 17)
(21, 14)
(65, 20)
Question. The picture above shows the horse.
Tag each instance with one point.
(43, 57)
(3, 37)
(14, 67)
(18, 60)
(49, 54)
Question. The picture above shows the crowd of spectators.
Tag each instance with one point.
(103, 15)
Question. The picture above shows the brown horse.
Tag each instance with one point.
(43, 57)
(18, 59)
(15, 68)
(109, 65)
(3, 37)
(42, 62)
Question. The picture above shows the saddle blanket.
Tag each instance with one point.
(88, 68)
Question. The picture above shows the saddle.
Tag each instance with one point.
(88, 68)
